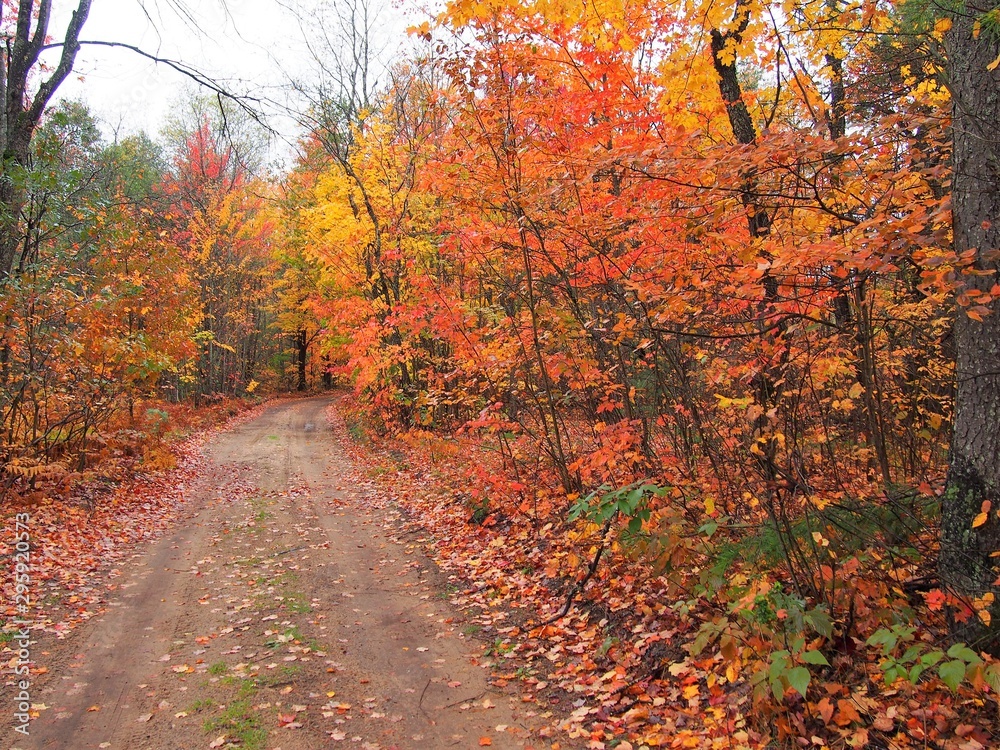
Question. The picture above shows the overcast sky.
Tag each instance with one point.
(253, 46)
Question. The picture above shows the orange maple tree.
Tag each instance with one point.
(693, 276)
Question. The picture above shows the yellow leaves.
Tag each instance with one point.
(930, 92)
(627, 44)
(982, 606)
(421, 30)
(732, 671)
(727, 55)
(724, 402)
(461, 12)
(844, 404)
(32, 469)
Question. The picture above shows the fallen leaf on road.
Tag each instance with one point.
(484, 741)
(144, 718)
(218, 741)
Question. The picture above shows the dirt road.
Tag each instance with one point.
(285, 610)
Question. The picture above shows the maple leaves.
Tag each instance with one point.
(97, 313)
(737, 296)
(221, 223)
(650, 671)
(687, 269)
(135, 280)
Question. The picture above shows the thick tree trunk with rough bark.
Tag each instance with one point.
(966, 565)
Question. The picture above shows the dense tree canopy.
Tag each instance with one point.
(715, 281)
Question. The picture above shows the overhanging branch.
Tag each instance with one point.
(247, 103)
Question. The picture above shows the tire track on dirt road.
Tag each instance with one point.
(280, 612)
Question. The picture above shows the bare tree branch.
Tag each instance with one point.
(249, 104)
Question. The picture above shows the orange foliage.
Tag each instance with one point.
(585, 257)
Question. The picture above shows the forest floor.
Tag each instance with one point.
(283, 604)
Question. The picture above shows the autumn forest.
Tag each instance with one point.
(688, 312)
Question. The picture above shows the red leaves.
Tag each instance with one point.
(935, 599)
(288, 721)
(82, 546)
(576, 652)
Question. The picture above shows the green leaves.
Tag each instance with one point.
(919, 657)
(798, 679)
(952, 673)
(814, 657)
(782, 673)
(964, 653)
(604, 503)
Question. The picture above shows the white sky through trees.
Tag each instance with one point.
(252, 47)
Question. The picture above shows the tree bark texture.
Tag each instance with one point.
(965, 564)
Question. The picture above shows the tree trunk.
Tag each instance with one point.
(327, 375)
(301, 351)
(965, 564)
